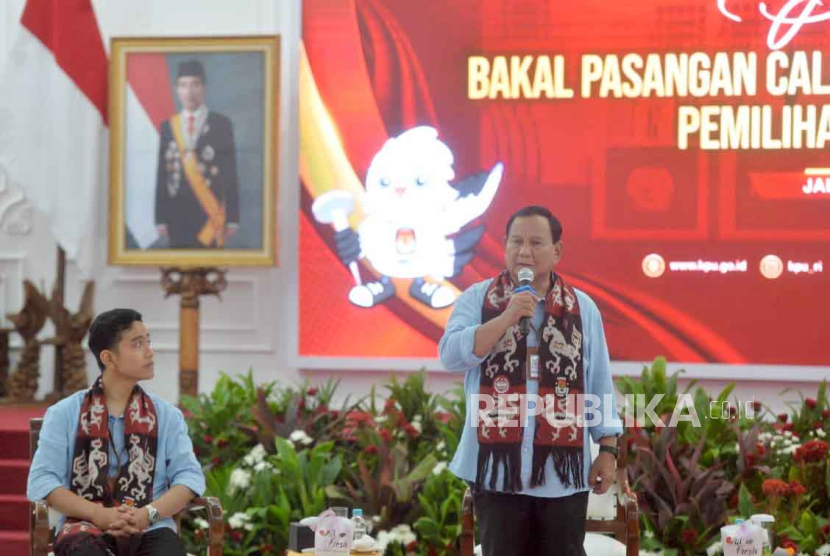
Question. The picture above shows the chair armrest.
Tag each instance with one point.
(215, 519)
(628, 501)
(467, 525)
(41, 535)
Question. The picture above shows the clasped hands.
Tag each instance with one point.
(122, 521)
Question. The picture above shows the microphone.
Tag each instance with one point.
(526, 276)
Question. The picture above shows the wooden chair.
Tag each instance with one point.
(41, 535)
(622, 522)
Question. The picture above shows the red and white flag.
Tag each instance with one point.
(53, 119)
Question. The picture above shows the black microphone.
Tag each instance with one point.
(525, 283)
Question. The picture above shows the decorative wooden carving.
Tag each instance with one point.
(70, 331)
(4, 359)
(190, 284)
(23, 383)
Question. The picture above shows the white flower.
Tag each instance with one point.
(787, 434)
(649, 534)
(240, 480)
(439, 467)
(240, 520)
(300, 437)
(381, 418)
(715, 548)
(255, 456)
(441, 446)
(417, 426)
(823, 550)
(418, 418)
(201, 523)
(821, 434)
(263, 465)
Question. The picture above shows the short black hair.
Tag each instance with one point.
(537, 210)
(192, 68)
(107, 328)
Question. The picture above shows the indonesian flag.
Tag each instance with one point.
(53, 135)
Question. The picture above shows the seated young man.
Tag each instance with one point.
(116, 461)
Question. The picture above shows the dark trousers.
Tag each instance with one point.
(519, 525)
(158, 542)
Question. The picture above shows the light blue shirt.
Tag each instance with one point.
(456, 352)
(176, 464)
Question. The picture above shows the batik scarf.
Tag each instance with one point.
(561, 383)
(90, 461)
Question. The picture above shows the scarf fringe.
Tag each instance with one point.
(508, 457)
(567, 462)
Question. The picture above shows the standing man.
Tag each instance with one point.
(197, 189)
(531, 482)
(115, 461)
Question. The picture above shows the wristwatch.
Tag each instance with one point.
(153, 515)
(613, 450)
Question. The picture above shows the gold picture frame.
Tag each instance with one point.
(194, 127)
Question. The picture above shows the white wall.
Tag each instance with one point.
(242, 330)
(255, 325)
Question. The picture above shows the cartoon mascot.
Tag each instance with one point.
(410, 210)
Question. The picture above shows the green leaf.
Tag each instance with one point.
(809, 525)
(745, 506)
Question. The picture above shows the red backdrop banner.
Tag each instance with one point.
(681, 144)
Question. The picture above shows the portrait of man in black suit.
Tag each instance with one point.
(197, 186)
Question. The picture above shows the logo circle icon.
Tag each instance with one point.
(502, 384)
(772, 267)
(654, 265)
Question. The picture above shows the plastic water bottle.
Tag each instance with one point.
(359, 523)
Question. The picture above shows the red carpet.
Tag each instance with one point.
(14, 468)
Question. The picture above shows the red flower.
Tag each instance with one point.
(301, 404)
(223, 442)
(825, 414)
(783, 417)
(412, 546)
(775, 487)
(688, 537)
(411, 431)
(797, 489)
(372, 449)
(207, 439)
(200, 533)
(760, 450)
(826, 530)
(443, 417)
(812, 451)
(818, 424)
(266, 548)
(358, 418)
(389, 406)
(311, 391)
(236, 535)
(789, 544)
(788, 427)
(811, 403)
(750, 460)
(216, 460)
(757, 406)
(386, 435)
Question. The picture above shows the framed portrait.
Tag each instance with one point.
(193, 151)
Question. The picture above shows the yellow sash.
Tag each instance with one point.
(214, 228)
